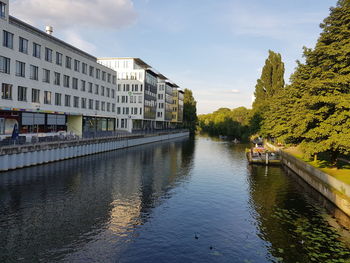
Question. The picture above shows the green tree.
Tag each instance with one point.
(319, 94)
(270, 83)
(190, 111)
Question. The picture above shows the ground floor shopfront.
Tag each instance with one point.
(43, 122)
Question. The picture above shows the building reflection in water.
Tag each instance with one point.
(93, 204)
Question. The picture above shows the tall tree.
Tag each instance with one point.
(190, 111)
(319, 94)
(270, 83)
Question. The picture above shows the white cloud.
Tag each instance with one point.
(113, 14)
(76, 40)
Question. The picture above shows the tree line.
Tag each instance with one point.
(313, 110)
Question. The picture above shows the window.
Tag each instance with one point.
(76, 65)
(119, 87)
(91, 104)
(118, 110)
(91, 71)
(108, 92)
(84, 68)
(103, 76)
(23, 45)
(97, 105)
(66, 81)
(48, 54)
(113, 107)
(59, 58)
(57, 80)
(83, 103)
(20, 69)
(102, 90)
(75, 83)
(83, 84)
(6, 91)
(47, 97)
(22, 93)
(4, 65)
(34, 72)
(46, 75)
(108, 106)
(114, 80)
(2, 10)
(67, 100)
(68, 62)
(98, 73)
(58, 99)
(97, 87)
(109, 78)
(76, 102)
(8, 39)
(35, 95)
(113, 93)
(103, 106)
(36, 50)
(90, 87)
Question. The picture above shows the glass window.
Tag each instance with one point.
(2, 10)
(97, 105)
(84, 68)
(5, 65)
(76, 65)
(97, 87)
(83, 103)
(57, 80)
(66, 81)
(20, 69)
(91, 71)
(6, 91)
(67, 100)
(109, 78)
(76, 102)
(34, 72)
(22, 93)
(46, 75)
(23, 45)
(59, 58)
(58, 99)
(75, 83)
(47, 97)
(90, 87)
(35, 95)
(48, 54)
(68, 62)
(83, 84)
(7, 39)
(103, 76)
(91, 104)
(98, 73)
(36, 50)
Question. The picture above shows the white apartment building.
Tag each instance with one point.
(48, 85)
(136, 93)
(164, 102)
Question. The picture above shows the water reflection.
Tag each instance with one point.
(78, 208)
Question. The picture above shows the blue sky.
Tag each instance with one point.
(214, 47)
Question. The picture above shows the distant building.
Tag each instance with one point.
(48, 85)
(144, 96)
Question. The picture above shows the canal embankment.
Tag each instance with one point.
(20, 156)
(334, 190)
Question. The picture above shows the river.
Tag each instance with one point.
(179, 201)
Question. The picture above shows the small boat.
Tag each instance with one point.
(260, 155)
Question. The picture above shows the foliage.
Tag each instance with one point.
(190, 111)
(270, 83)
(224, 121)
(314, 110)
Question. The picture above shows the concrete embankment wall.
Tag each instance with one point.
(29, 155)
(334, 190)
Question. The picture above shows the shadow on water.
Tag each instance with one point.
(290, 215)
(87, 204)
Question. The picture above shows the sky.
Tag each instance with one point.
(216, 48)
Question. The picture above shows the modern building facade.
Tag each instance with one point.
(144, 96)
(48, 85)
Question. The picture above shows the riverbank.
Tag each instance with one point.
(335, 190)
(16, 157)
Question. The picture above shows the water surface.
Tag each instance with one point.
(179, 201)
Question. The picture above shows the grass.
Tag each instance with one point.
(342, 174)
